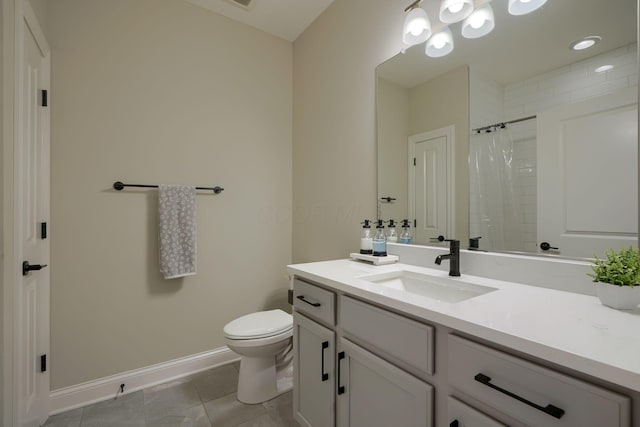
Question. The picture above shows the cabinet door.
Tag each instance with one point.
(314, 380)
(373, 393)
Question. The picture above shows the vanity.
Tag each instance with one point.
(406, 345)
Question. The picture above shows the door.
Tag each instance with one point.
(31, 359)
(581, 211)
(431, 186)
(374, 393)
(314, 379)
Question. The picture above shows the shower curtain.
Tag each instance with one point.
(495, 210)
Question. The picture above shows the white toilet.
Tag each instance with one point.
(264, 340)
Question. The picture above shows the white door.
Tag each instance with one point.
(581, 210)
(32, 211)
(430, 184)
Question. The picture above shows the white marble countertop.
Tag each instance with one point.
(572, 330)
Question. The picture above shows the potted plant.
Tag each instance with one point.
(618, 278)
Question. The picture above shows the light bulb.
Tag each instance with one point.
(439, 41)
(456, 7)
(476, 20)
(416, 27)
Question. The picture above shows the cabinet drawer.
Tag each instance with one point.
(314, 301)
(391, 335)
(461, 415)
(535, 395)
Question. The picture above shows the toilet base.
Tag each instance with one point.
(258, 380)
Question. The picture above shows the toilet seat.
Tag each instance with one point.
(262, 324)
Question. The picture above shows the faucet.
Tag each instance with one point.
(453, 256)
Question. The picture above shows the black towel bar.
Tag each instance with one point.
(118, 185)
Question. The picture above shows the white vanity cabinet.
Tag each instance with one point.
(346, 385)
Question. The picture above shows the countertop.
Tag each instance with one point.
(571, 330)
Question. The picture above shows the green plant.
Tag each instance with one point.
(620, 268)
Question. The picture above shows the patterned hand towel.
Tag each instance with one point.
(177, 230)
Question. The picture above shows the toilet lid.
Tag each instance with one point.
(259, 325)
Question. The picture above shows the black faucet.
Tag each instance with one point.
(453, 256)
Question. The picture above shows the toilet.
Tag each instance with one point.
(264, 340)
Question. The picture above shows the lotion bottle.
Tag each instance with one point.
(380, 240)
(366, 241)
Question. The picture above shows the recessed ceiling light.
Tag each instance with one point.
(604, 68)
(584, 43)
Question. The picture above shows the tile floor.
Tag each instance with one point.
(206, 399)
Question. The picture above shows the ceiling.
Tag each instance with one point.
(286, 19)
(522, 46)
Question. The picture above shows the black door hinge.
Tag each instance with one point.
(414, 161)
(43, 230)
(43, 363)
(45, 98)
(415, 223)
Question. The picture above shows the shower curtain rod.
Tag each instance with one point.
(503, 124)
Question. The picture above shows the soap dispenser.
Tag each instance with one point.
(405, 237)
(366, 241)
(380, 240)
(392, 236)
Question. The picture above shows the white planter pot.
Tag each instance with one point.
(620, 297)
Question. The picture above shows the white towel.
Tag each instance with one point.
(177, 230)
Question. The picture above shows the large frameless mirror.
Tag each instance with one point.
(515, 141)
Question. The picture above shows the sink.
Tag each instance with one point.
(436, 288)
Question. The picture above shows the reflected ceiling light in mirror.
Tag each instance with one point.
(522, 7)
(604, 68)
(417, 27)
(480, 23)
(585, 43)
(455, 10)
(440, 44)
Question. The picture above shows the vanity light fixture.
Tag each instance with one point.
(585, 43)
(417, 27)
(440, 44)
(522, 7)
(477, 16)
(455, 10)
(480, 23)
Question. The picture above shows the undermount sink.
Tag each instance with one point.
(437, 288)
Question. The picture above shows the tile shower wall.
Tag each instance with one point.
(572, 83)
(491, 102)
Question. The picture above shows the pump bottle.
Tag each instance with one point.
(380, 240)
(405, 237)
(366, 241)
(392, 236)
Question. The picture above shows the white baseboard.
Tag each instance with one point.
(79, 395)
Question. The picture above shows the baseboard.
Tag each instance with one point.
(105, 388)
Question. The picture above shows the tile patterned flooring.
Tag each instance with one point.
(206, 399)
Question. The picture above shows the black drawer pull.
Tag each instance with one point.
(315, 304)
(325, 345)
(340, 387)
(554, 411)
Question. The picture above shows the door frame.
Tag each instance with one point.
(12, 12)
(449, 132)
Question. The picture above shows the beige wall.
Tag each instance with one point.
(392, 113)
(441, 102)
(334, 152)
(160, 91)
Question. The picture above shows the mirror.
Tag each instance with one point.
(566, 182)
